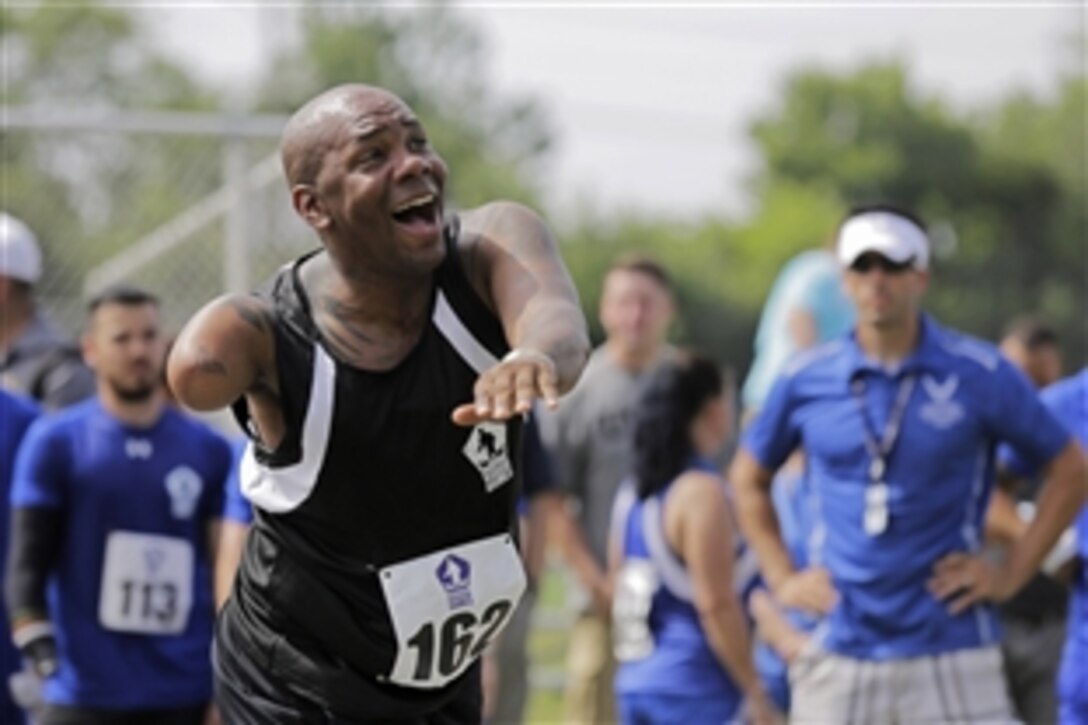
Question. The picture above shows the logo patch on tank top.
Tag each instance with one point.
(486, 450)
(453, 574)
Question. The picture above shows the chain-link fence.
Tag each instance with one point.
(185, 205)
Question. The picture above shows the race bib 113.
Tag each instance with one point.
(147, 583)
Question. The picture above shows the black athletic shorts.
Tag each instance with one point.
(289, 684)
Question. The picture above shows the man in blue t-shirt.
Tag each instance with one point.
(1068, 400)
(16, 415)
(115, 503)
(898, 421)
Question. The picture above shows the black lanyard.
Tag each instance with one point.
(880, 449)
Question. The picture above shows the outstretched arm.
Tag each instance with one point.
(514, 264)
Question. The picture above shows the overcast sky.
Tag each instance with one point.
(651, 104)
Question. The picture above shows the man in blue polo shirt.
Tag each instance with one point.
(1068, 400)
(898, 421)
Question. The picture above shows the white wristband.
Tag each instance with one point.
(1064, 551)
(518, 354)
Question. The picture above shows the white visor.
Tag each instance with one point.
(886, 233)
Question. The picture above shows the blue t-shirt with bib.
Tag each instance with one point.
(130, 597)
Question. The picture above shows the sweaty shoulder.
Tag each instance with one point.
(500, 221)
(703, 485)
(505, 225)
(697, 492)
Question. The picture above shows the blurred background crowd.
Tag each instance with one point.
(131, 166)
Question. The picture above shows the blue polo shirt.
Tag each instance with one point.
(965, 399)
(1068, 399)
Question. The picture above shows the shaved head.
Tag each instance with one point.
(312, 131)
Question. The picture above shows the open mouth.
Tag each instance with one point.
(421, 210)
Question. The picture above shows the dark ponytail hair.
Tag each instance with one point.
(672, 399)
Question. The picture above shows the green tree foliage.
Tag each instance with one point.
(1043, 140)
(867, 135)
(1005, 188)
(436, 63)
(698, 256)
(88, 194)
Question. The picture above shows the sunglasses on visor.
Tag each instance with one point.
(867, 262)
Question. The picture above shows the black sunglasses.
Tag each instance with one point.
(868, 261)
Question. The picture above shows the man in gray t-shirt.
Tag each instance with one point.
(590, 438)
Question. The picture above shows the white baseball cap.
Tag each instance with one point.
(20, 256)
(890, 235)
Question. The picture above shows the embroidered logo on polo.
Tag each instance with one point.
(454, 574)
(138, 448)
(184, 485)
(941, 411)
(486, 450)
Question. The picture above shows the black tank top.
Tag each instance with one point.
(371, 472)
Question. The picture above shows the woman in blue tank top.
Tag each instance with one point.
(679, 630)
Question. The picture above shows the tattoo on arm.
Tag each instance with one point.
(207, 363)
(253, 313)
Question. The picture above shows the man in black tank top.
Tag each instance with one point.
(383, 380)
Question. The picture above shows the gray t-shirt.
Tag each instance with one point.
(590, 438)
(44, 365)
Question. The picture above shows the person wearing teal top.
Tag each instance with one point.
(806, 307)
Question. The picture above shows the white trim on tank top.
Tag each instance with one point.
(282, 489)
